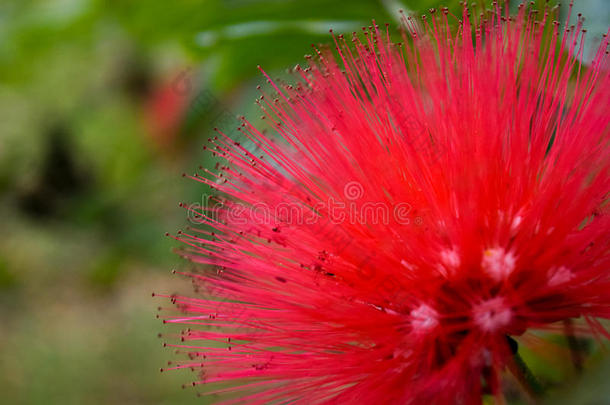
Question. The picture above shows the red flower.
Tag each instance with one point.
(164, 113)
(415, 205)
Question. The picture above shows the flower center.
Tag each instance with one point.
(492, 315)
(424, 318)
(498, 263)
(450, 262)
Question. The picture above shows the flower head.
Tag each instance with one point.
(412, 206)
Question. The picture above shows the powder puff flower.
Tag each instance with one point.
(410, 212)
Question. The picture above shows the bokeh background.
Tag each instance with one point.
(103, 105)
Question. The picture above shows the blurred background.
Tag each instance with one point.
(103, 105)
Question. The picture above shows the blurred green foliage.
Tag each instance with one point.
(94, 135)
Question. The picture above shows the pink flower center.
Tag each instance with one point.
(424, 318)
(492, 315)
(498, 263)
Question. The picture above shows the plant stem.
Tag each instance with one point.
(525, 377)
(574, 345)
